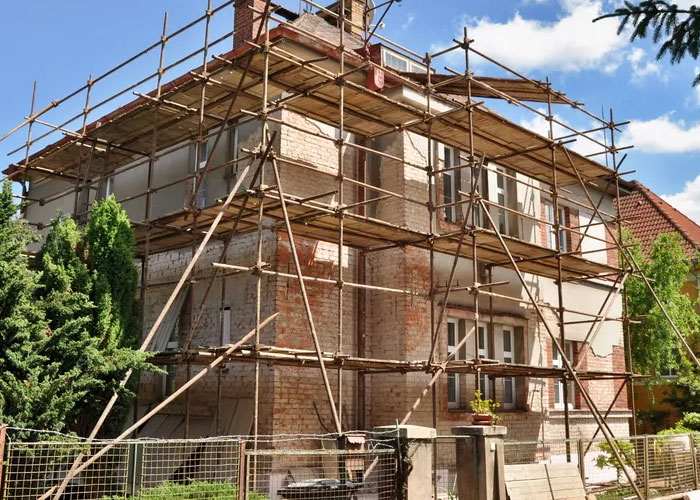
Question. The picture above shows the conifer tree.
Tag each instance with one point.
(34, 391)
(676, 29)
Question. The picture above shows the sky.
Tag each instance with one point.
(60, 44)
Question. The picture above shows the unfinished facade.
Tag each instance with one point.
(468, 243)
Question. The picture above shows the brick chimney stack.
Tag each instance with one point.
(246, 22)
(355, 11)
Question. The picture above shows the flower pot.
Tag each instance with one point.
(482, 419)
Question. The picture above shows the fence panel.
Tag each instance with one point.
(33, 468)
(181, 468)
(321, 474)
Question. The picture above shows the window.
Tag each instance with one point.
(225, 326)
(483, 353)
(551, 231)
(453, 400)
(449, 184)
(501, 199)
(557, 362)
(202, 155)
(508, 382)
(109, 186)
(396, 61)
(233, 152)
(171, 370)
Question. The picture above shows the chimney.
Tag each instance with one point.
(354, 11)
(246, 22)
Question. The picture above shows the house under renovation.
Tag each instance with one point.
(410, 244)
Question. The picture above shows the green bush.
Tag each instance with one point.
(688, 424)
(608, 459)
(196, 490)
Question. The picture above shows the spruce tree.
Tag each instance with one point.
(676, 29)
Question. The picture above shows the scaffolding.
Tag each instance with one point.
(263, 76)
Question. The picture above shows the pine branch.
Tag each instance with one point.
(676, 30)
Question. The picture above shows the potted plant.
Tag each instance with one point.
(484, 410)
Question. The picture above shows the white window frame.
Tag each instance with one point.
(410, 65)
(551, 242)
(109, 186)
(483, 334)
(501, 199)
(450, 194)
(557, 362)
(202, 154)
(508, 357)
(453, 378)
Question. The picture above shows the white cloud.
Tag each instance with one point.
(571, 43)
(641, 68)
(662, 135)
(688, 200)
(409, 22)
(582, 145)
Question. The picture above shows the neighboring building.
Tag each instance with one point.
(647, 216)
(375, 324)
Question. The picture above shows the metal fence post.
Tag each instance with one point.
(242, 472)
(581, 460)
(646, 467)
(694, 456)
(3, 438)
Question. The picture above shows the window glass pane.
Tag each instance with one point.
(452, 388)
(508, 391)
(393, 61)
(483, 382)
(506, 341)
(482, 342)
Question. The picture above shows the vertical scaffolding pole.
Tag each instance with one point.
(265, 145)
(25, 191)
(149, 184)
(474, 194)
(432, 227)
(560, 282)
(195, 202)
(341, 197)
(84, 165)
(625, 304)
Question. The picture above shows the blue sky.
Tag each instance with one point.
(60, 43)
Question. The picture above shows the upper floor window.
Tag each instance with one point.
(449, 184)
(551, 230)
(502, 200)
(394, 60)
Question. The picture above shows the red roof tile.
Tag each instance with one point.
(647, 216)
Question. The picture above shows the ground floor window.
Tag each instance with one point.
(497, 341)
(557, 362)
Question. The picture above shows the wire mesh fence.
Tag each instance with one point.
(33, 468)
(445, 458)
(321, 474)
(660, 465)
(222, 468)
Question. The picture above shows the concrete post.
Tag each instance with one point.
(480, 474)
(418, 443)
